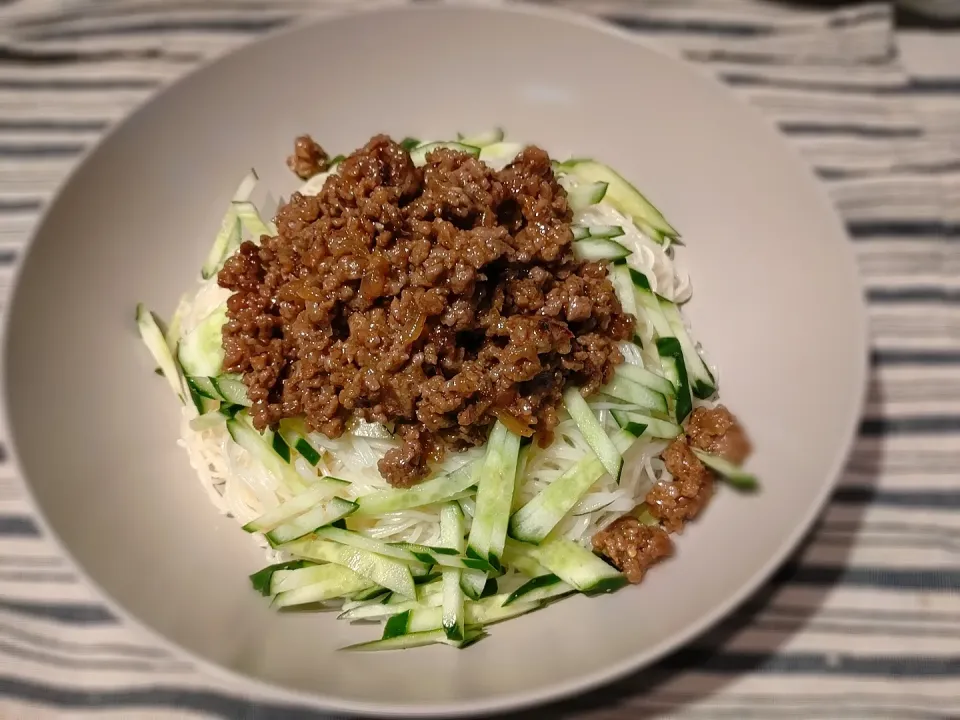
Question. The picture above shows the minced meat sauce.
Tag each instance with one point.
(634, 547)
(438, 298)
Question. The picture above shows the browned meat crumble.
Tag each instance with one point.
(633, 547)
(438, 298)
(308, 158)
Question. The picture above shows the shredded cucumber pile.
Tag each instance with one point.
(492, 533)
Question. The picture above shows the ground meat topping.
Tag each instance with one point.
(633, 547)
(438, 298)
(718, 432)
(308, 158)
(674, 503)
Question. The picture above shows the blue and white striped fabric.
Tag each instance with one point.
(864, 622)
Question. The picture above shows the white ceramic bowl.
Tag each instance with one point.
(776, 303)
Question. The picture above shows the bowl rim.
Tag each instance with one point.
(252, 689)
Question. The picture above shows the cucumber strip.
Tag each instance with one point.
(648, 379)
(607, 232)
(638, 424)
(482, 140)
(634, 393)
(431, 491)
(576, 566)
(586, 194)
(452, 533)
(649, 302)
(228, 237)
(251, 220)
(203, 387)
(286, 511)
(294, 432)
(598, 232)
(405, 552)
(701, 380)
(671, 356)
(383, 571)
(534, 521)
(625, 198)
(201, 350)
(330, 581)
(736, 476)
(415, 640)
(262, 580)
(374, 593)
(321, 515)
(538, 589)
(408, 144)
(488, 533)
(294, 578)
(172, 335)
(482, 612)
(157, 345)
(280, 446)
(382, 611)
(254, 443)
(419, 154)
(623, 287)
(593, 432)
(516, 557)
(593, 248)
(231, 390)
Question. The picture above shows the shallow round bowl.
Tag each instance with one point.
(776, 304)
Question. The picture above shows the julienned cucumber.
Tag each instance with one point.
(294, 432)
(157, 345)
(225, 388)
(419, 153)
(534, 521)
(671, 357)
(593, 432)
(702, 383)
(229, 236)
(251, 220)
(326, 582)
(599, 249)
(538, 589)
(452, 533)
(428, 492)
(575, 566)
(253, 442)
(635, 393)
(623, 286)
(736, 476)
(647, 378)
(586, 194)
(599, 232)
(322, 514)
(624, 197)
(649, 302)
(384, 571)
(415, 640)
(201, 349)
(638, 424)
(479, 613)
(495, 486)
(482, 140)
(286, 511)
(410, 553)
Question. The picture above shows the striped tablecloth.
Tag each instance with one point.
(863, 622)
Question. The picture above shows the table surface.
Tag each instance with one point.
(864, 621)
